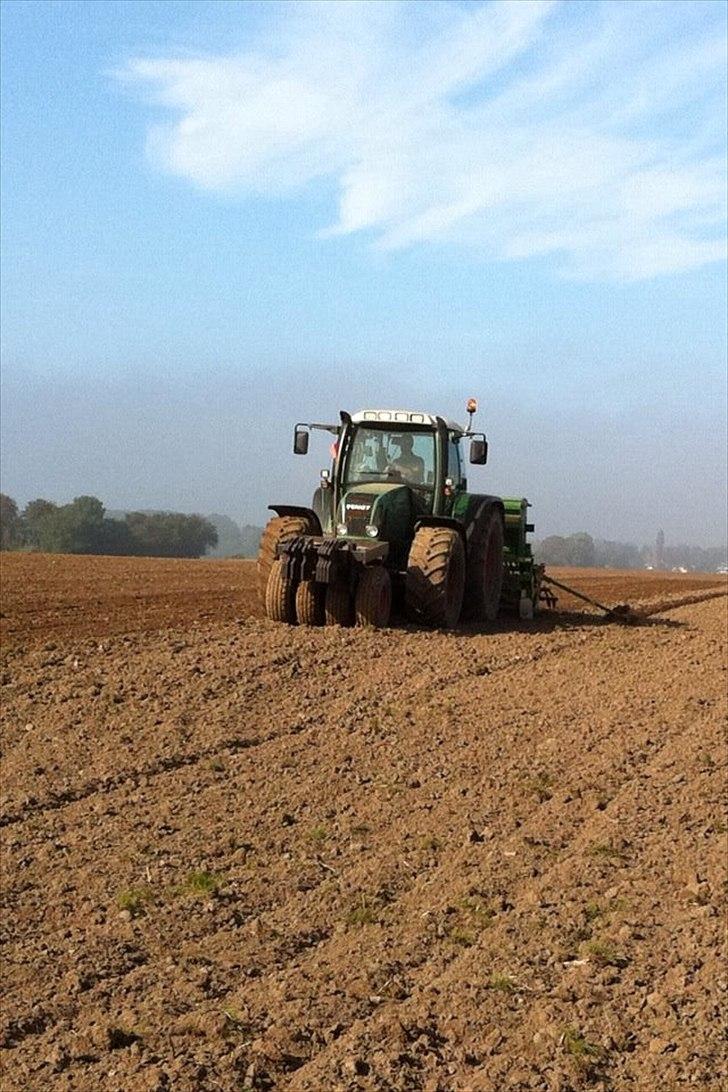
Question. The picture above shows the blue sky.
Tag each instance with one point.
(219, 218)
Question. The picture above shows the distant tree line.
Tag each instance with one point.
(232, 539)
(82, 527)
(85, 527)
(583, 551)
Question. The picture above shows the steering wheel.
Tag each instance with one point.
(421, 487)
(391, 472)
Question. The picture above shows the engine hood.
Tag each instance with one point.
(372, 503)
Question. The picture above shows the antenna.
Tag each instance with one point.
(472, 408)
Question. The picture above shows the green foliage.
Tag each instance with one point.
(366, 913)
(135, 900)
(618, 555)
(480, 915)
(75, 528)
(170, 534)
(502, 983)
(200, 883)
(468, 919)
(464, 937)
(605, 851)
(38, 518)
(604, 954)
(581, 550)
(82, 527)
(576, 550)
(11, 531)
(585, 1055)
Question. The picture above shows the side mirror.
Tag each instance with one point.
(300, 442)
(479, 452)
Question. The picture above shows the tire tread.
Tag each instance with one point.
(428, 595)
(278, 529)
(279, 595)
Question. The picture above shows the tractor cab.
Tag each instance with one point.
(391, 468)
(385, 482)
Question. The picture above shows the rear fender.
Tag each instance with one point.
(295, 510)
(476, 509)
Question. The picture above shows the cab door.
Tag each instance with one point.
(454, 472)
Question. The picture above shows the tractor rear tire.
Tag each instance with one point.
(337, 605)
(280, 594)
(279, 529)
(435, 583)
(373, 603)
(310, 603)
(484, 582)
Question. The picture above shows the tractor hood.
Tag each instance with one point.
(384, 505)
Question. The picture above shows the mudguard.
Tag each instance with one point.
(441, 521)
(296, 510)
(470, 508)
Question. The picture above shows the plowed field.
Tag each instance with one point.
(244, 856)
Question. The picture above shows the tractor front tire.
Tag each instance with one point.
(310, 603)
(337, 605)
(278, 529)
(435, 583)
(280, 594)
(373, 604)
(484, 581)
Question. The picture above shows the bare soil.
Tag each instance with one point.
(239, 855)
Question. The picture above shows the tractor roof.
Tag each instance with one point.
(403, 417)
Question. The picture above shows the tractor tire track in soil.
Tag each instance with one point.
(238, 855)
(171, 763)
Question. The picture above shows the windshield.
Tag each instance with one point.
(392, 455)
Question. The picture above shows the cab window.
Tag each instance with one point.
(380, 454)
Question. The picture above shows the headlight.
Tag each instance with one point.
(341, 528)
(371, 530)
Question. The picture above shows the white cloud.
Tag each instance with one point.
(590, 133)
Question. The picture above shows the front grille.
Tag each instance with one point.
(357, 512)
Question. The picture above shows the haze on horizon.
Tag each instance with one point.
(219, 220)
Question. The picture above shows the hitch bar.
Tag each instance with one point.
(622, 612)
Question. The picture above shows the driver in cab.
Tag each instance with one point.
(408, 465)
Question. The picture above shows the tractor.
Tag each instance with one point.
(393, 519)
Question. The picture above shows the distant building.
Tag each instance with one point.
(659, 558)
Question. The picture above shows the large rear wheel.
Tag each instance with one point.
(373, 604)
(310, 603)
(435, 581)
(337, 605)
(484, 582)
(280, 594)
(279, 529)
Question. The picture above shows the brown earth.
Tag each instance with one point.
(47, 595)
(238, 855)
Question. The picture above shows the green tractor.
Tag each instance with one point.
(393, 519)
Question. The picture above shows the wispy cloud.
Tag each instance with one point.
(589, 134)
